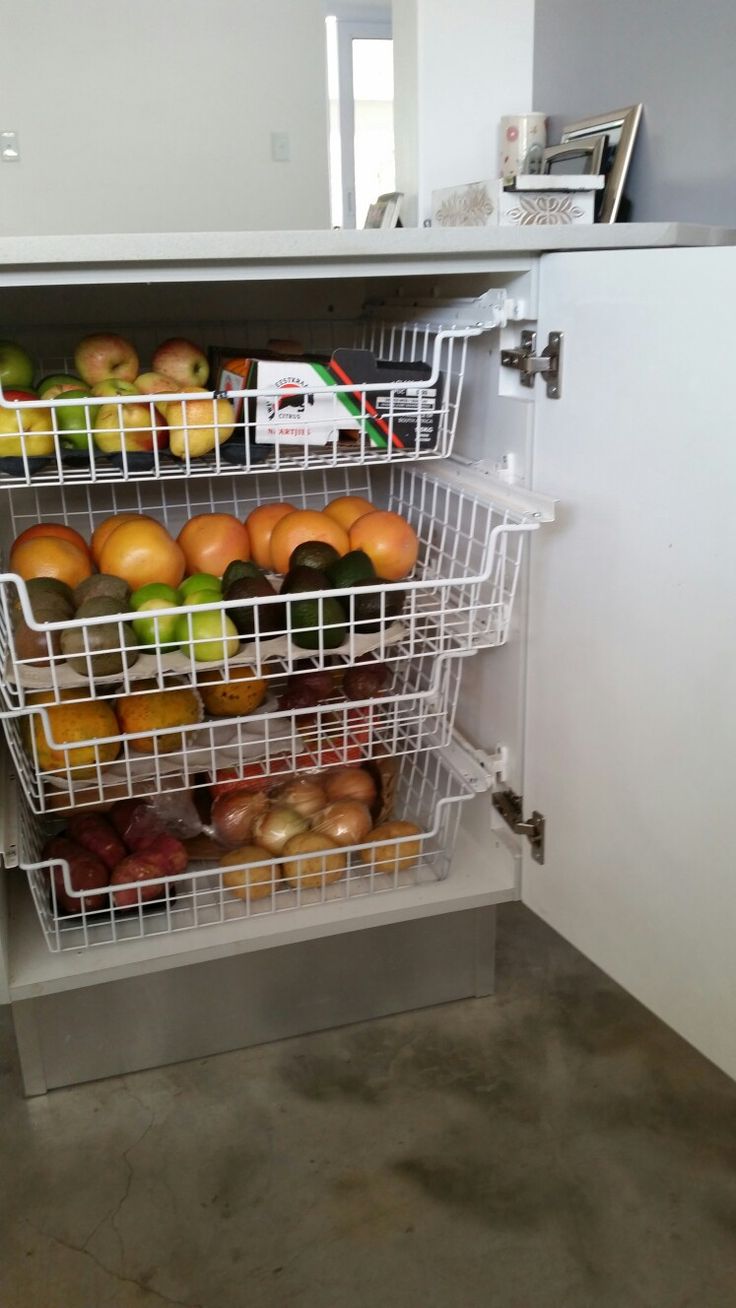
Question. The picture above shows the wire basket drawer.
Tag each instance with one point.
(430, 789)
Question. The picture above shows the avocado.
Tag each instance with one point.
(313, 554)
(370, 609)
(317, 623)
(238, 569)
(351, 569)
(102, 606)
(36, 645)
(103, 584)
(270, 616)
(302, 577)
(104, 645)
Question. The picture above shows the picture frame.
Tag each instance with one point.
(618, 130)
(384, 212)
(568, 158)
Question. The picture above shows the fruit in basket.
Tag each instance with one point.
(158, 631)
(103, 355)
(16, 366)
(57, 529)
(207, 637)
(269, 617)
(234, 816)
(136, 873)
(276, 826)
(388, 850)
(86, 873)
(155, 590)
(101, 585)
(128, 427)
(346, 821)
(245, 880)
(100, 606)
(101, 533)
(299, 697)
(199, 581)
(241, 694)
(38, 648)
(366, 679)
(141, 551)
(57, 383)
(101, 649)
(300, 526)
(197, 427)
(29, 431)
(316, 623)
(98, 836)
(315, 554)
(302, 578)
(346, 509)
(50, 556)
(238, 570)
(136, 822)
(89, 720)
(322, 682)
(311, 863)
(202, 597)
(369, 608)
(155, 383)
(155, 711)
(305, 794)
(168, 853)
(352, 569)
(40, 589)
(350, 783)
(183, 361)
(211, 541)
(74, 421)
(389, 541)
(260, 523)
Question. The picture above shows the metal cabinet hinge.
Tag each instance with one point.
(548, 364)
(511, 809)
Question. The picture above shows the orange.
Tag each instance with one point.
(48, 556)
(347, 509)
(211, 541)
(140, 551)
(150, 712)
(302, 525)
(57, 529)
(243, 693)
(89, 720)
(389, 541)
(101, 533)
(260, 524)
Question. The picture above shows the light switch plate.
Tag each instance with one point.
(9, 147)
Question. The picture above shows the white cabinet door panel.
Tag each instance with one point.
(631, 713)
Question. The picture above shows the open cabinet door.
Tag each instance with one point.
(631, 719)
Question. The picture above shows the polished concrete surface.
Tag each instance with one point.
(551, 1147)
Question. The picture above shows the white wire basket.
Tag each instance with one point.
(340, 424)
(430, 791)
(416, 713)
(459, 598)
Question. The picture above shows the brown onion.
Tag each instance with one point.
(304, 794)
(277, 825)
(319, 867)
(234, 816)
(350, 783)
(347, 821)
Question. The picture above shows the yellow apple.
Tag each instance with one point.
(197, 427)
(157, 383)
(31, 430)
(128, 425)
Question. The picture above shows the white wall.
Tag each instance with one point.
(463, 66)
(157, 115)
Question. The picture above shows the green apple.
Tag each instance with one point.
(157, 631)
(57, 383)
(113, 386)
(72, 420)
(199, 581)
(155, 590)
(16, 367)
(213, 636)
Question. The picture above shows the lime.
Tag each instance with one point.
(156, 631)
(213, 636)
(313, 554)
(351, 569)
(203, 596)
(198, 581)
(317, 624)
(155, 590)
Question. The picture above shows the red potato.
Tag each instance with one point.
(86, 873)
(136, 823)
(141, 870)
(97, 835)
(168, 853)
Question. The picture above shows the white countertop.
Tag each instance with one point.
(163, 256)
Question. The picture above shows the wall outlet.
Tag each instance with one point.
(9, 147)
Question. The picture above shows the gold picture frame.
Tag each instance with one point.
(619, 129)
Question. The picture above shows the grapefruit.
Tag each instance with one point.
(211, 541)
(389, 541)
(101, 533)
(346, 509)
(301, 526)
(260, 524)
(141, 551)
(49, 556)
(57, 529)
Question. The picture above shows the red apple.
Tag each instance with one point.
(86, 872)
(25, 429)
(136, 868)
(183, 361)
(156, 383)
(136, 822)
(168, 853)
(104, 355)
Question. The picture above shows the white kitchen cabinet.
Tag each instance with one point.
(609, 709)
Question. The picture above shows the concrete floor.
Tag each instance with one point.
(552, 1147)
